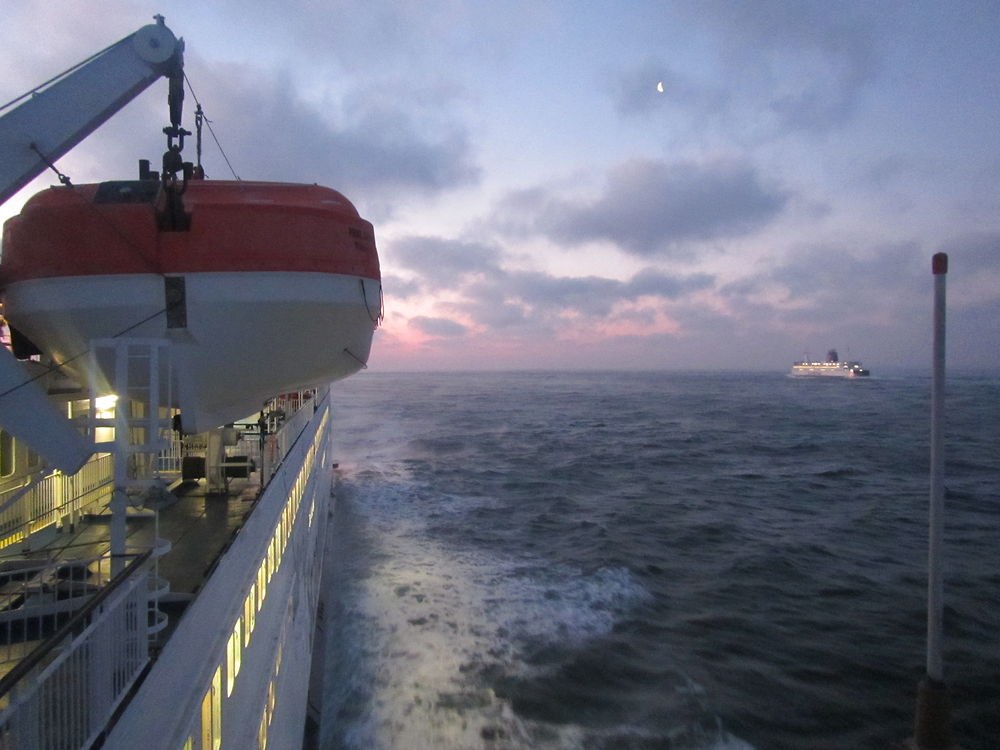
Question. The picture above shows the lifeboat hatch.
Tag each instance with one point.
(127, 191)
(167, 203)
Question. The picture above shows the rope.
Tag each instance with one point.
(356, 358)
(364, 296)
(211, 130)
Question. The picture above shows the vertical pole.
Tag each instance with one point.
(119, 500)
(933, 715)
(935, 585)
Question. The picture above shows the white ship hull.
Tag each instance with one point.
(830, 370)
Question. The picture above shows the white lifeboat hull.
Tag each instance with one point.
(248, 335)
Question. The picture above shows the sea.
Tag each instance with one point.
(655, 560)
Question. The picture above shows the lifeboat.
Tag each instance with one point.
(260, 288)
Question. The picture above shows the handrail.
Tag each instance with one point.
(52, 495)
(24, 667)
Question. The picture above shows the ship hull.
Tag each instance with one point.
(824, 370)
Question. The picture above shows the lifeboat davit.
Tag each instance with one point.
(260, 288)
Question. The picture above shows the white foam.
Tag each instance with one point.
(426, 619)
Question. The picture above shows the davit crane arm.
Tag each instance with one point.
(54, 118)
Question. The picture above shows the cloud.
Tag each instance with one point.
(651, 208)
(438, 327)
(480, 273)
(655, 283)
(375, 152)
(532, 301)
(832, 276)
(400, 288)
(590, 295)
(442, 261)
(977, 252)
(874, 303)
(806, 64)
(595, 296)
(472, 285)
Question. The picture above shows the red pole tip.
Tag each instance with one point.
(939, 263)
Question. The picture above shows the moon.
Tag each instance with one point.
(659, 87)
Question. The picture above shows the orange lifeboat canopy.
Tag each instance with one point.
(112, 228)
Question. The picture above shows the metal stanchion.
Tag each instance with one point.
(932, 730)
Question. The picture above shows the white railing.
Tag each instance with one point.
(281, 431)
(63, 694)
(54, 497)
(35, 593)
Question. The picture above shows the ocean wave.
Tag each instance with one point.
(433, 623)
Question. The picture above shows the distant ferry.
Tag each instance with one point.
(832, 367)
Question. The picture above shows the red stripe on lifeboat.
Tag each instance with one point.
(111, 228)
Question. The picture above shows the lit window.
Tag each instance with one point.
(249, 612)
(234, 655)
(262, 732)
(261, 584)
(211, 714)
(104, 406)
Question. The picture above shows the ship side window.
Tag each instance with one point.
(234, 653)
(262, 731)
(261, 583)
(6, 454)
(249, 612)
(211, 714)
(275, 553)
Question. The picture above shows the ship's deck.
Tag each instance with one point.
(197, 525)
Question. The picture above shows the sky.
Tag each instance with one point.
(693, 184)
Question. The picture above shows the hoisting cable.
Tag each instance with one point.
(64, 179)
(210, 130)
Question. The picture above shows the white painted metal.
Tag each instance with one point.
(935, 576)
(67, 702)
(50, 499)
(27, 413)
(130, 368)
(63, 113)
